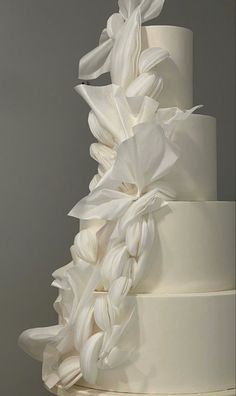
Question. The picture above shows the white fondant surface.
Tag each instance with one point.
(195, 174)
(186, 344)
(177, 71)
(194, 249)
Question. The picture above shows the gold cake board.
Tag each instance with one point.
(81, 391)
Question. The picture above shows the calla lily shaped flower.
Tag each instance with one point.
(141, 161)
(126, 23)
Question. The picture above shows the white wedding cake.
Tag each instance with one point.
(147, 305)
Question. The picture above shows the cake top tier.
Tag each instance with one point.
(177, 70)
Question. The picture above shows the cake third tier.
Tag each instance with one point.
(193, 250)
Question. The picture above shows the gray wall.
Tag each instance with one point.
(44, 162)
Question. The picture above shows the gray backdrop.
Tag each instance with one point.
(45, 167)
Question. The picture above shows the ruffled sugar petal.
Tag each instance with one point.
(89, 357)
(143, 108)
(86, 245)
(147, 84)
(102, 204)
(100, 133)
(168, 118)
(111, 108)
(148, 203)
(69, 372)
(114, 25)
(133, 167)
(96, 62)
(150, 58)
(126, 49)
(34, 341)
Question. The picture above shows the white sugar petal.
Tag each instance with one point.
(114, 24)
(69, 371)
(84, 326)
(116, 357)
(100, 133)
(118, 290)
(104, 155)
(97, 61)
(89, 357)
(125, 52)
(115, 264)
(151, 57)
(133, 236)
(94, 182)
(104, 315)
(142, 85)
(86, 245)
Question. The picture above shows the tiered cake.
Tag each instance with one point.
(148, 303)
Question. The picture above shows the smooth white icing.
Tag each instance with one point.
(186, 344)
(194, 249)
(177, 71)
(194, 177)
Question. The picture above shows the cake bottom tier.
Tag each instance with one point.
(185, 345)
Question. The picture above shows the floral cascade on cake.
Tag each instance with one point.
(137, 155)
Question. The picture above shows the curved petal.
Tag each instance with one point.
(96, 62)
(84, 325)
(135, 234)
(150, 9)
(115, 264)
(34, 341)
(99, 132)
(114, 24)
(151, 57)
(127, 7)
(119, 289)
(104, 314)
(86, 245)
(69, 372)
(146, 84)
(126, 49)
(94, 182)
(89, 357)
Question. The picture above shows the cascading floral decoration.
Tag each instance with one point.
(134, 152)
